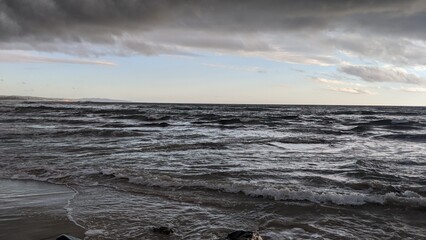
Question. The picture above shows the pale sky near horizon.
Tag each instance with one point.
(284, 52)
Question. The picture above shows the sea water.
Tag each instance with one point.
(288, 172)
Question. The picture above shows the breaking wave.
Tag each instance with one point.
(406, 198)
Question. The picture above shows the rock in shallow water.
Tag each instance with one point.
(244, 235)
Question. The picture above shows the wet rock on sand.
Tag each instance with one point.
(66, 237)
(163, 230)
(244, 235)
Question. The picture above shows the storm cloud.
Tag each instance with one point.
(299, 32)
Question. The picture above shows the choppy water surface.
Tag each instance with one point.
(310, 172)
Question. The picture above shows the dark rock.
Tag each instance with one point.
(229, 121)
(162, 124)
(163, 230)
(361, 128)
(66, 237)
(244, 235)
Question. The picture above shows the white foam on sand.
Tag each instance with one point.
(69, 209)
(94, 232)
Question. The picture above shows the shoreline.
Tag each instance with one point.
(36, 210)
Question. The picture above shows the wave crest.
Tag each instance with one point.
(406, 198)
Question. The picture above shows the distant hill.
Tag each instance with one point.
(98, 100)
(31, 98)
(27, 98)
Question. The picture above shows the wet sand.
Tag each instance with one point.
(35, 210)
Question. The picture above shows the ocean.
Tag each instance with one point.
(288, 172)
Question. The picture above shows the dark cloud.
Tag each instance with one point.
(376, 74)
(77, 19)
(29, 17)
(287, 30)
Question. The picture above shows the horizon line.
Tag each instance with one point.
(108, 100)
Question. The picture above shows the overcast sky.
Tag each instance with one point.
(264, 51)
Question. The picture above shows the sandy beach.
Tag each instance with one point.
(35, 210)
